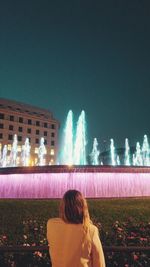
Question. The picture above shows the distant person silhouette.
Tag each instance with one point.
(73, 239)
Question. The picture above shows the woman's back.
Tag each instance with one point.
(71, 247)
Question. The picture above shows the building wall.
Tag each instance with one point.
(28, 121)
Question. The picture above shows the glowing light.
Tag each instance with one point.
(80, 142)
(112, 151)
(9, 147)
(36, 150)
(95, 153)
(127, 153)
(67, 157)
(52, 152)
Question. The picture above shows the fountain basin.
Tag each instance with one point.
(50, 182)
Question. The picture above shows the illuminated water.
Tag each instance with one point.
(80, 141)
(67, 153)
(14, 152)
(127, 153)
(41, 153)
(25, 154)
(112, 152)
(73, 151)
(95, 153)
(146, 151)
(101, 182)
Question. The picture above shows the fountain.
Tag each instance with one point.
(80, 141)
(146, 151)
(127, 153)
(25, 155)
(19, 180)
(67, 156)
(74, 152)
(112, 152)
(95, 153)
(41, 152)
(14, 152)
(4, 156)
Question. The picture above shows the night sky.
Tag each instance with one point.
(91, 55)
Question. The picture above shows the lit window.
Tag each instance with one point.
(9, 147)
(19, 148)
(52, 152)
(36, 150)
(51, 161)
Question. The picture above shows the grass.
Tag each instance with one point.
(105, 211)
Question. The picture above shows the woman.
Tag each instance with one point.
(73, 239)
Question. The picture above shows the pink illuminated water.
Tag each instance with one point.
(92, 182)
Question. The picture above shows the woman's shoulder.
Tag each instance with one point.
(93, 228)
(54, 221)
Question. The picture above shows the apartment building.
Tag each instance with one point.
(27, 121)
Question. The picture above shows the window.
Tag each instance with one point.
(20, 119)
(11, 118)
(19, 148)
(52, 152)
(51, 161)
(28, 130)
(29, 121)
(1, 136)
(1, 116)
(52, 134)
(53, 126)
(9, 147)
(36, 150)
(52, 143)
(19, 138)
(1, 125)
(45, 124)
(37, 123)
(45, 142)
(37, 141)
(45, 133)
(37, 132)
(10, 137)
(11, 127)
(20, 129)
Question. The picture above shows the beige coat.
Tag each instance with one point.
(69, 248)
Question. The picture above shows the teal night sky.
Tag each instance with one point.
(91, 55)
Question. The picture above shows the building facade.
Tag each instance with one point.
(31, 122)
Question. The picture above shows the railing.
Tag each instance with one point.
(38, 256)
